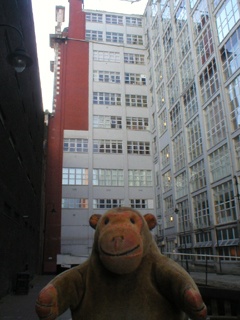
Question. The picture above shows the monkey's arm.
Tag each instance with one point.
(177, 286)
(63, 292)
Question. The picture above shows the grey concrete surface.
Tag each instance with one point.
(22, 307)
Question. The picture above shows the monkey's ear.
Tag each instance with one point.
(93, 221)
(151, 220)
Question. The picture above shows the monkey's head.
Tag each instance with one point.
(122, 238)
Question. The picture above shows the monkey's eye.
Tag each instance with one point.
(106, 221)
(132, 220)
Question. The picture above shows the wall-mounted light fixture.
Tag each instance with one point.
(19, 58)
(53, 209)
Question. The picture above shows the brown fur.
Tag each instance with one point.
(155, 288)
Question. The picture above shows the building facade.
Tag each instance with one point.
(21, 145)
(146, 114)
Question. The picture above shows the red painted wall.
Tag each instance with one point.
(71, 114)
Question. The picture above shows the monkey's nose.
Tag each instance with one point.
(117, 243)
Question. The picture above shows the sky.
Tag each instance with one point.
(44, 21)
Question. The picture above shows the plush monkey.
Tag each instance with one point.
(125, 278)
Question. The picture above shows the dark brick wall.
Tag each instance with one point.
(21, 132)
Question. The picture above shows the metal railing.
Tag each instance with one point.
(210, 256)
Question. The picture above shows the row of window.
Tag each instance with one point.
(72, 203)
(224, 209)
(114, 122)
(114, 37)
(131, 100)
(226, 18)
(114, 77)
(106, 146)
(131, 58)
(107, 177)
(114, 19)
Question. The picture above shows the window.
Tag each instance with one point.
(159, 72)
(135, 123)
(168, 40)
(108, 177)
(200, 17)
(158, 201)
(68, 203)
(209, 81)
(112, 122)
(176, 118)
(134, 39)
(184, 43)
(194, 137)
(107, 146)
(107, 203)
(114, 19)
(165, 156)
(180, 17)
(197, 176)
(162, 120)
(181, 183)
(154, 8)
(155, 30)
(170, 64)
(113, 99)
(192, 3)
(215, 123)
(75, 176)
(230, 55)
(93, 17)
(141, 203)
(134, 58)
(138, 147)
(114, 37)
(166, 17)
(140, 178)
(108, 56)
(185, 246)
(169, 212)
(186, 70)
(106, 76)
(154, 145)
(94, 35)
(135, 78)
(234, 102)
(175, 3)
(162, 4)
(204, 47)
(133, 22)
(237, 150)
(133, 100)
(215, 3)
(220, 165)
(167, 181)
(228, 241)
(178, 152)
(226, 18)
(183, 216)
(173, 91)
(157, 50)
(232, 252)
(160, 97)
(75, 145)
(224, 203)
(200, 252)
(201, 210)
(190, 102)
